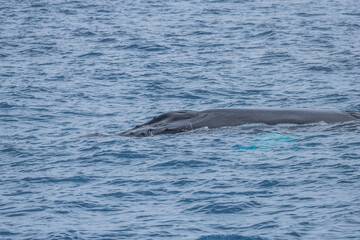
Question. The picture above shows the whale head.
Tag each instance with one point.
(166, 123)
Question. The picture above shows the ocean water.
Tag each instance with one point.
(73, 68)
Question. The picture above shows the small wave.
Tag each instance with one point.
(185, 95)
(153, 48)
(18, 193)
(93, 135)
(82, 32)
(356, 14)
(38, 5)
(75, 179)
(68, 11)
(201, 33)
(107, 40)
(229, 237)
(310, 14)
(224, 208)
(268, 183)
(146, 48)
(228, 1)
(272, 57)
(184, 164)
(182, 182)
(5, 105)
(119, 155)
(32, 52)
(264, 34)
(6, 233)
(91, 54)
(145, 193)
(320, 69)
(24, 212)
(70, 235)
(115, 195)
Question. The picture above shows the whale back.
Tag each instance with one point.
(186, 120)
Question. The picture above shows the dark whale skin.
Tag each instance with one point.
(187, 120)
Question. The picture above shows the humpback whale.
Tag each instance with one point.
(187, 120)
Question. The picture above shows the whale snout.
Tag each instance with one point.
(148, 131)
(166, 123)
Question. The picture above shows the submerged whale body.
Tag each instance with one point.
(187, 120)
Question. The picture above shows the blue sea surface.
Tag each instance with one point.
(74, 68)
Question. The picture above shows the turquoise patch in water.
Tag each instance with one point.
(269, 140)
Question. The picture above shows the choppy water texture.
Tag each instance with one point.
(72, 68)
